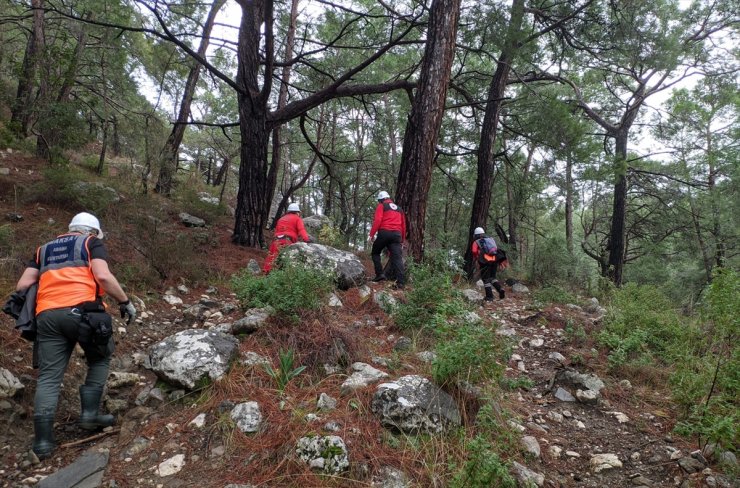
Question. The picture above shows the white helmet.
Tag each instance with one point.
(478, 231)
(383, 195)
(293, 207)
(86, 221)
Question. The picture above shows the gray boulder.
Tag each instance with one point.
(519, 288)
(324, 453)
(526, 477)
(190, 356)
(191, 221)
(314, 223)
(344, 267)
(253, 267)
(390, 477)
(9, 384)
(413, 404)
(363, 376)
(385, 301)
(247, 416)
(472, 296)
(252, 321)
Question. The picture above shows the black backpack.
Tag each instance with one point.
(488, 248)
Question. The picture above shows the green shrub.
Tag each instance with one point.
(433, 288)
(642, 327)
(706, 381)
(554, 294)
(285, 372)
(483, 467)
(471, 353)
(288, 289)
(66, 186)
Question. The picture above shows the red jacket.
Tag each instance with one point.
(389, 216)
(291, 226)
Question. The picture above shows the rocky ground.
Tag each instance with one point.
(579, 426)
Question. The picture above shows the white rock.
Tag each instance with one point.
(334, 301)
(572, 454)
(363, 376)
(537, 342)
(621, 418)
(557, 357)
(555, 417)
(601, 462)
(171, 466)
(172, 299)
(199, 421)
(555, 451)
(9, 384)
(526, 476)
(247, 416)
(531, 445)
(183, 289)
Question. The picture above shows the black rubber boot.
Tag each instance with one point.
(90, 417)
(379, 278)
(489, 294)
(43, 441)
(499, 289)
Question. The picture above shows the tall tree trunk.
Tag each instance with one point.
(251, 214)
(569, 203)
(20, 118)
(103, 149)
(276, 163)
(425, 119)
(168, 156)
(116, 147)
(513, 214)
(222, 171)
(486, 162)
(619, 209)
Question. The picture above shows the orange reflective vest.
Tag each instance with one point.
(65, 273)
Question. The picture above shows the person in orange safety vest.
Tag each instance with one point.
(72, 274)
(288, 230)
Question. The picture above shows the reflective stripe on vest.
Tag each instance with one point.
(65, 273)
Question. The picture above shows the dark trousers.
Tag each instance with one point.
(58, 332)
(488, 275)
(391, 240)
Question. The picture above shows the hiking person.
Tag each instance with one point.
(488, 256)
(72, 275)
(288, 230)
(389, 224)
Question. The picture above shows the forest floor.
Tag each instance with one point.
(632, 420)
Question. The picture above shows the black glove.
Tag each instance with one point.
(126, 308)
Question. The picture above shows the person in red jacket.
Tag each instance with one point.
(390, 226)
(288, 230)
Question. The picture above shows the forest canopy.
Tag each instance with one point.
(592, 138)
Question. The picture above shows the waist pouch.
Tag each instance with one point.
(100, 322)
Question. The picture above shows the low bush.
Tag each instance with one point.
(641, 327)
(425, 301)
(554, 294)
(289, 289)
(706, 382)
(470, 352)
(66, 186)
(483, 467)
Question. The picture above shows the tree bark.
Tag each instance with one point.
(20, 118)
(486, 163)
(168, 156)
(619, 209)
(569, 203)
(276, 163)
(425, 119)
(250, 215)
